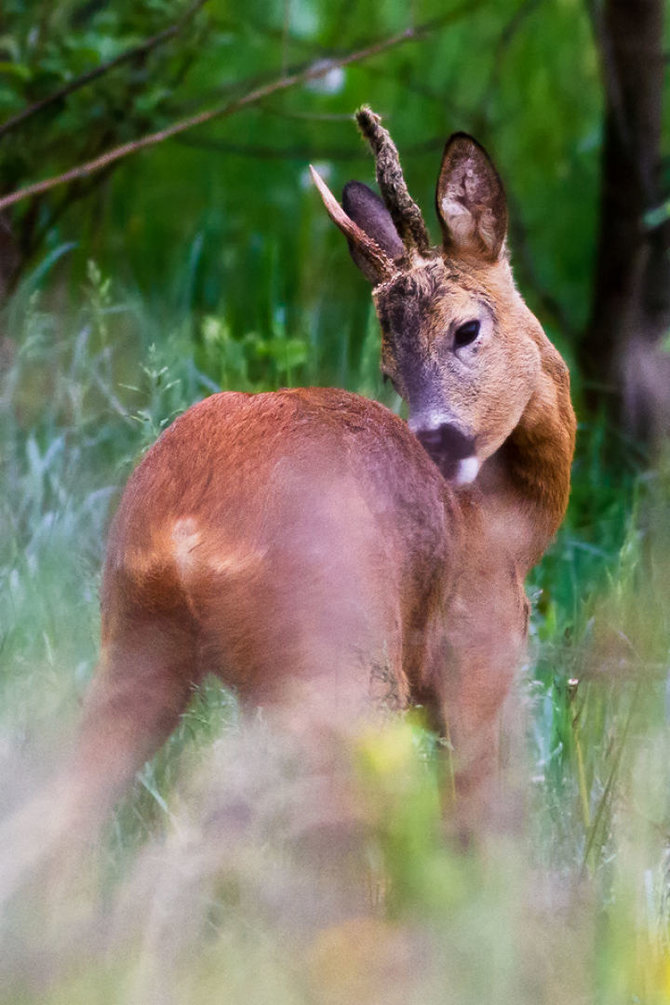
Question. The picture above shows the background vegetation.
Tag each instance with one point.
(206, 261)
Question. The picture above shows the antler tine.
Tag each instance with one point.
(382, 266)
(404, 211)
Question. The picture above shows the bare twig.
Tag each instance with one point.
(86, 78)
(312, 72)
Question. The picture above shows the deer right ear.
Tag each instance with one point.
(367, 249)
(471, 204)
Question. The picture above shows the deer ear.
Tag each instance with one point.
(471, 204)
(366, 209)
(371, 258)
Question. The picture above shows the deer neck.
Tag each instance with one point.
(526, 484)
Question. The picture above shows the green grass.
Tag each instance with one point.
(181, 903)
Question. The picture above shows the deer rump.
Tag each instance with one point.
(276, 540)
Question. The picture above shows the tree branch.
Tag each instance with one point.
(313, 71)
(86, 78)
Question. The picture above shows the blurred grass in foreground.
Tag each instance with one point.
(203, 889)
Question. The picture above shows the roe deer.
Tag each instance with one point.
(319, 554)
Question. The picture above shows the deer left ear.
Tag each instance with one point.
(366, 209)
(470, 198)
(370, 257)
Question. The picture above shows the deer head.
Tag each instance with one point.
(458, 342)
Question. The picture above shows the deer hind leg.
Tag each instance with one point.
(142, 686)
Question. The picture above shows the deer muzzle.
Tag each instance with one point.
(451, 449)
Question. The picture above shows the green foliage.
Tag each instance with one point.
(254, 362)
(53, 64)
(225, 214)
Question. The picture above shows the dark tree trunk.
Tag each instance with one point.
(631, 298)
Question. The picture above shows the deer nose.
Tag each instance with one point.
(448, 447)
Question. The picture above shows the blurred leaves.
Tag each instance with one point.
(496, 70)
(254, 362)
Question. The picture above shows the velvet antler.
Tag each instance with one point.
(404, 211)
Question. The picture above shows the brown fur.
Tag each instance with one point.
(303, 546)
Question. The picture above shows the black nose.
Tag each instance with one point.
(447, 445)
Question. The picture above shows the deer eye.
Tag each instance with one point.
(465, 334)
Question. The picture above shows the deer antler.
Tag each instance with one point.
(404, 211)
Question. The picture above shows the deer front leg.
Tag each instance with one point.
(485, 654)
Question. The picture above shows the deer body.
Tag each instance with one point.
(324, 557)
(290, 539)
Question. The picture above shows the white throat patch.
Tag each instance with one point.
(467, 470)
